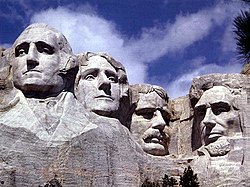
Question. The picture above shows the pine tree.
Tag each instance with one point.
(168, 182)
(189, 179)
(53, 183)
(242, 31)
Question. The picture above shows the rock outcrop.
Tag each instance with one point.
(74, 120)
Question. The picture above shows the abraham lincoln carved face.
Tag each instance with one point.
(217, 119)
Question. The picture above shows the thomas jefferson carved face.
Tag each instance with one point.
(98, 88)
(149, 124)
(36, 62)
(217, 116)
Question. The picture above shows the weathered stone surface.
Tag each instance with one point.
(232, 168)
(70, 120)
(181, 119)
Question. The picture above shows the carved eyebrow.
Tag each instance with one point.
(40, 45)
(144, 110)
(220, 104)
(21, 45)
(112, 73)
(93, 71)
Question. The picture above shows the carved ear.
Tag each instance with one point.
(70, 64)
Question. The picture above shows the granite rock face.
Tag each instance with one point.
(223, 151)
(74, 120)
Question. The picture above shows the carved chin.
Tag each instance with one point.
(219, 148)
(103, 107)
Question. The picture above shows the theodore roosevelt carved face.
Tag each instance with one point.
(150, 120)
(217, 119)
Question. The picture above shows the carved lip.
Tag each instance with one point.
(33, 70)
(213, 136)
(106, 97)
(154, 139)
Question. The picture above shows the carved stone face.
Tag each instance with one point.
(98, 88)
(149, 124)
(216, 115)
(36, 62)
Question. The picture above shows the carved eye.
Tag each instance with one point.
(220, 107)
(112, 76)
(89, 77)
(21, 52)
(112, 79)
(145, 114)
(200, 112)
(22, 49)
(218, 111)
(148, 115)
(46, 50)
(42, 47)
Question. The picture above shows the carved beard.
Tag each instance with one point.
(218, 148)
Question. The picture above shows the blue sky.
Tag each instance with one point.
(162, 42)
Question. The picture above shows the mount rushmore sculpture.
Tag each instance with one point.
(75, 118)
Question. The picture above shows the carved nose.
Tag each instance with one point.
(103, 82)
(209, 119)
(32, 57)
(159, 122)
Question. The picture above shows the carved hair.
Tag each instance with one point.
(84, 58)
(144, 89)
(195, 93)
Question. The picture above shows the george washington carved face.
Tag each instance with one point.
(37, 60)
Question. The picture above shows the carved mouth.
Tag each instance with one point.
(28, 71)
(105, 97)
(154, 139)
(212, 137)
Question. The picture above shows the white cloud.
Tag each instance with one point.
(90, 32)
(87, 31)
(175, 37)
(181, 85)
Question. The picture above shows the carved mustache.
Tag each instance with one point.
(154, 133)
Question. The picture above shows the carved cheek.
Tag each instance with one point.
(140, 124)
(223, 120)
